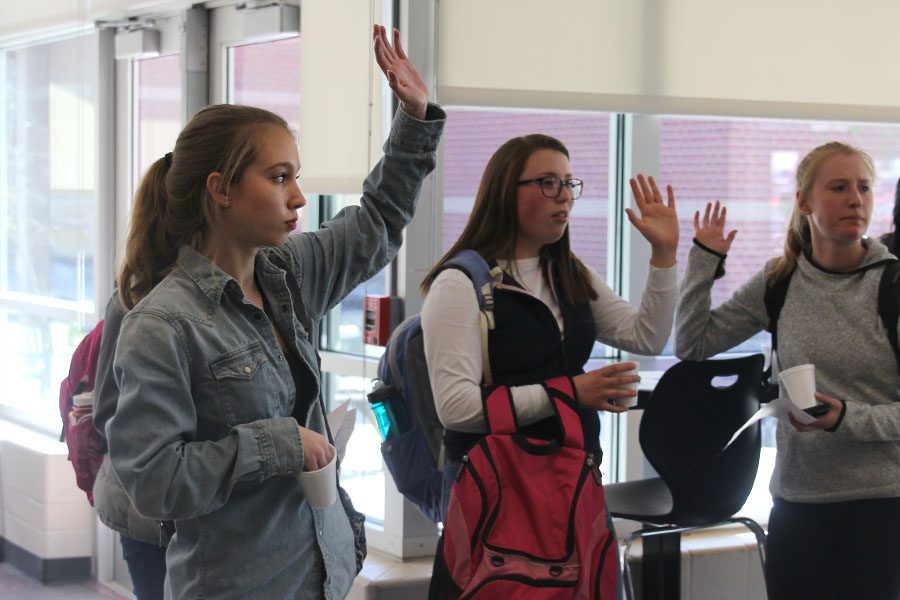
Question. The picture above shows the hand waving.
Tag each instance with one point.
(658, 221)
(402, 75)
(711, 233)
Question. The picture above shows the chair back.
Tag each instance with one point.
(687, 422)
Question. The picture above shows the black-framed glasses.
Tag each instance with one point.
(552, 186)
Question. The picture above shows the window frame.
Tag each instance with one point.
(79, 312)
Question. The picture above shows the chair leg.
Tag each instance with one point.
(760, 538)
(626, 567)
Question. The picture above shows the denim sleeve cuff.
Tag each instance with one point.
(840, 419)
(412, 134)
(720, 268)
(279, 446)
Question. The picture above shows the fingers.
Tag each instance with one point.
(398, 47)
(611, 406)
(636, 191)
(380, 49)
(317, 452)
(618, 367)
(714, 215)
(385, 55)
(827, 399)
(644, 192)
(670, 192)
(389, 51)
(633, 218)
(649, 191)
(319, 457)
(654, 189)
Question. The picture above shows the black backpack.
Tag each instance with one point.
(888, 310)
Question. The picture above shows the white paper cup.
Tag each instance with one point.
(320, 486)
(631, 400)
(800, 385)
(83, 399)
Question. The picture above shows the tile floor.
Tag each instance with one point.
(16, 585)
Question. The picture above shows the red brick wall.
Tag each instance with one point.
(749, 164)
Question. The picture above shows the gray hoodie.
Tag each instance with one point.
(830, 320)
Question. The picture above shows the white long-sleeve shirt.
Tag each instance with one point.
(452, 337)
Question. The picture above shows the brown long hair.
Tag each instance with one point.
(493, 227)
(798, 238)
(172, 205)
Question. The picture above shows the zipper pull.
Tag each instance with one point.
(595, 470)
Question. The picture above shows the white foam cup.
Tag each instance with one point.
(630, 400)
(800, 385)
(320, 486)
(83, 399)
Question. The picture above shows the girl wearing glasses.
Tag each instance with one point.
(520, 222)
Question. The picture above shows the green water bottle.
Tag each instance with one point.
(382, 400)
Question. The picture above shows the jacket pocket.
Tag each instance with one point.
(246, 384)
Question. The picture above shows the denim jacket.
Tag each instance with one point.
(110, 500)
(204, 434)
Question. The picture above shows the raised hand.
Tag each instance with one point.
(402, 76)
(600, 388)
(658, 221)
(711, 232)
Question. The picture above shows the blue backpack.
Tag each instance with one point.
(413, 451)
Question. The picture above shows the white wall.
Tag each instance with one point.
(824, 59)
(43, 511)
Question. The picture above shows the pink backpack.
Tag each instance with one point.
(527, 516)
(84, 442)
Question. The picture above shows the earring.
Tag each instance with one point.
(226, 204)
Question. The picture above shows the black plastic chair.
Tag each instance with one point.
(687, 421)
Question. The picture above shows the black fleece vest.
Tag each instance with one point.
(526, 347)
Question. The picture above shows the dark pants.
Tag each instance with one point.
(147, 567)
(834, 551)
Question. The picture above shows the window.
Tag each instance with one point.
(157, 84)
(342, 330)
(254, 81)
(471, 137)
(362, 470)
(351, 380)
(749, 164)
(48, 219)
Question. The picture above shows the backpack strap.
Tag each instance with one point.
(484, 279)
(775, 295)
(889, 304)
(500, 412)
(562, 396)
